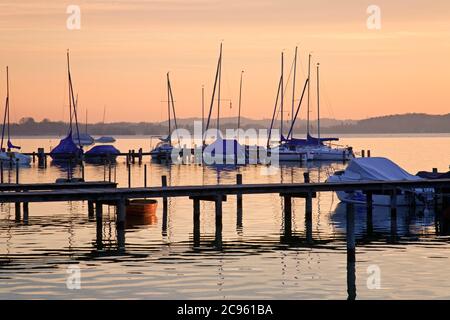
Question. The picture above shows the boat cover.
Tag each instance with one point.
(66, 145)
(309, 141)
(228, 147)
(102, 150)
(377, 168)
(11, 146)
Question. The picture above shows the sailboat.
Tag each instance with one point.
(288, 149)
(321, 151)
(105, 139)
(8, 155)
(164, 148)
(221, 151)
(67, 149)
(84, 138)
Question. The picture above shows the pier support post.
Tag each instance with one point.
(25, 212)
(17, 211)
(129, 175)
(140, 155)
(1, 171)
(98, 211)
(218, 200)
(351, 244)
(82, 170)
(17, 171)
(239, 204)
(121, 213)
(393, 214)
(196, 222)
(287, 216)
(363, 153)
(369, 220)
(165, 207)
(90, 210)
(145, 175)
(308, 218)
(351, 252)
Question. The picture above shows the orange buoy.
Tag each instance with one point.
(142, 207)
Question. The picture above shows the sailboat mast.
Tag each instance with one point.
(70, 92)
(309, 86)
(73, 103)
(168, 109)
(282, 93)
(173, 110)
(212, 97)
(218, 91)
(240, 103)
(293, 85)
(318, 105)
(7, 94)
(203, 109)
(6, 109)
(86, 117)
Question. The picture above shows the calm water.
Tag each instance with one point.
(256, 260)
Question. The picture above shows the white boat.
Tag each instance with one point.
(285, 152)
(223, 152)
(379, 169)
(105, 139)
(83, 139)
(15, 157)
(8, 155)
(328, 153)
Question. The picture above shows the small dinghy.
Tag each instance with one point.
(379, 169)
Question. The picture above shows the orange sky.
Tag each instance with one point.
(125, 47)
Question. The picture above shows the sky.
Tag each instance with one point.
(124, 48)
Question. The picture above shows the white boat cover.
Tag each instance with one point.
(226, 147)
(376, 169)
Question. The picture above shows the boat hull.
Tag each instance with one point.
(15, 157)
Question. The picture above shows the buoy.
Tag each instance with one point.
(142, 207)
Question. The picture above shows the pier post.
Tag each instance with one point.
(351, 244)
(82, 170)
(369, 209)
(25, 212)
(17, 171)
(363, 153)
(145, 176)
(218, 201)
(90, 210)
(308, 210)
(120, 224)
(394, 214)
(17, 210)
(239, 204)
(129, 175)
(140, 156)
(351, 252)
(1, 171)
(41, 157)
(34, 156)
(287, 216)
(99, 234)
(368, 153)
(165, 207)
(109, 172)
(98, 210)
(133, 156)
(196, 222)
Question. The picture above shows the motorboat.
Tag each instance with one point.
(379, 169)
(105, 139)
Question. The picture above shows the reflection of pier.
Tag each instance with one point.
(101, 195)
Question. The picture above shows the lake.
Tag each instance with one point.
(255, 261)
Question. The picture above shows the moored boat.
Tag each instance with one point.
(379, 169)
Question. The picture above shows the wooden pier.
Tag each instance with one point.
(104, 193)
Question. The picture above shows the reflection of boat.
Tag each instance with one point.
(102, 153)
(378, 169)
(105, 139)
(164, 149)
(10, 156)
(407, 222)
